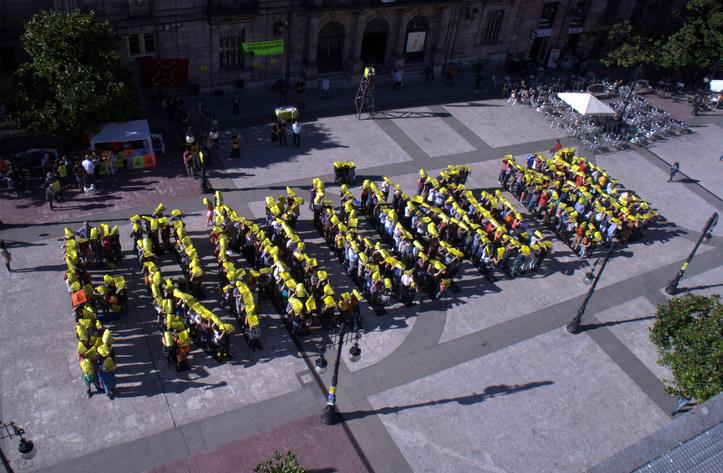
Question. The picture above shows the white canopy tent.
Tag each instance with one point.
(586, 104)
(135, 130)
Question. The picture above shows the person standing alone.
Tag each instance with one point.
(397, 80)
(296, 133)
(674, 169)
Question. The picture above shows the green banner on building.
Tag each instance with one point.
(264, 48)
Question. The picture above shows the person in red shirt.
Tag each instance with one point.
(557, 147)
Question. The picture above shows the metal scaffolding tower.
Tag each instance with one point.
(364, 100)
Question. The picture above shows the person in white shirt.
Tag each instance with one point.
(89, 167)
(325, 87)
(296, 133)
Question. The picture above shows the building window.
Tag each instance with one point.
(491, 33)
(141, 44)
(579, 13)
(230, 54)
(65, 5)
(548, 15)
(139, 7)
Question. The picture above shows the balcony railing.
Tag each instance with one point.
(232, 7)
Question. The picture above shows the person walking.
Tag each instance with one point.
(397, 80)
(89, 376)
(451, 73)
(477, 80)
(674, 169)
(6, 255)
(236, 101)
(325, 87)
(428, 73)
(89, 176)
(188, 163)
(106, 371)
(296, 133)
(556, 147)
(51, 183)
(235, 146)
(282, 134)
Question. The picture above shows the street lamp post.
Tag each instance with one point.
(633, 77)
(26, 448)
(574, 325)
(330, 415)
(672, 287)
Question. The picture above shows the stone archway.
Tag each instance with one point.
(374, 42)
(330, 47)
(416, 39)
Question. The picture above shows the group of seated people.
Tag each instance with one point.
(578, 200)
(181, 317)
(95, 341)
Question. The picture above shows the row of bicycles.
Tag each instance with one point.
(636, 121)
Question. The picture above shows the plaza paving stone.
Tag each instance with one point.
(630, 322)
(500, 124)
(698, 154)
(462, 356)
(524, 408)
(429, 130)
(329, 139)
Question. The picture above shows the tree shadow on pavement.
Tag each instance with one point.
(488, 393)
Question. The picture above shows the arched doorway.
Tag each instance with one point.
(330, 47)
(374, 43)
(417, 30)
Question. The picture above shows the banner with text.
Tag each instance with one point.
(264, 48)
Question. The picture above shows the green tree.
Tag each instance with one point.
(280, 464)
(631, 47)
(699, 42)
(660, 36)
(688, 334)
(74, 80)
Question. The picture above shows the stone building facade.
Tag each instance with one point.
(334, 37)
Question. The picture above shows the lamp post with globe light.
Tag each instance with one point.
(330, 415)
(26, 448)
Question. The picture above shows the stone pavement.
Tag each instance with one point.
(486, 379)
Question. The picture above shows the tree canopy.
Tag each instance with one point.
(693, 39)
(688, 334)
(74, 80)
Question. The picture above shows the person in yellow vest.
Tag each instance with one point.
(327, 311)
(253, 331)
(89, 375)
(106, 371)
